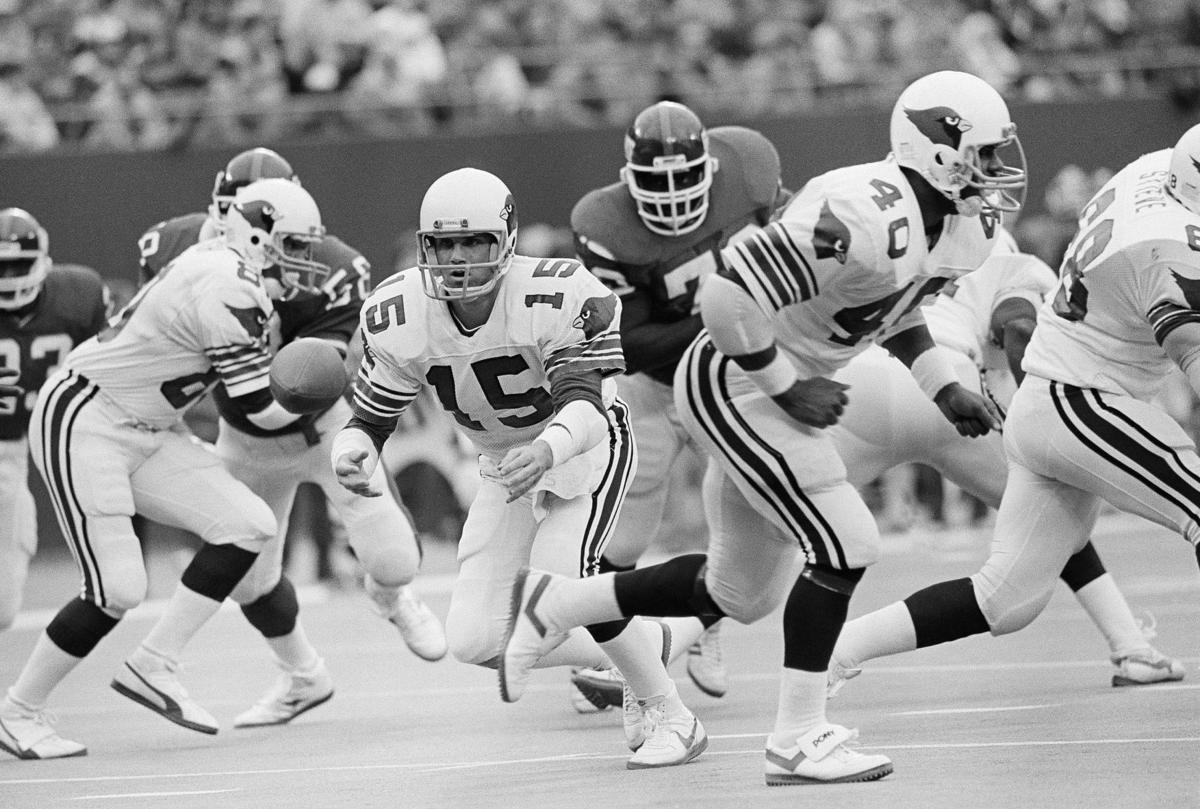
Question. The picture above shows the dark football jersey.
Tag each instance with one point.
(665, 271)
(161, 244)
(332, 314)
(71, 307)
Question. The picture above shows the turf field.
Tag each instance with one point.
(1024, 721)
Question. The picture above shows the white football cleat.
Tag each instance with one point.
(820, 756)
(420, 628)
(1146, 666)
(527, 638)
(28, 734)
(602, 687)
(581, 702)
(672, 737)
(151, 681)
(596, 690)
(704, 663)
(293, 694)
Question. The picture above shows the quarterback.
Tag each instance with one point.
(107, 436)
(46, 310)
(849, 261)
(654, 239)
(521, 353)
(1082, 428)
(322, 300)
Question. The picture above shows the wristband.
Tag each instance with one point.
(933, 371)
(558, 437)
(775, 377)
(349, 439)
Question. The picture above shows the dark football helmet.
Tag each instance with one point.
(24, 258)
(253, 164)
(668, 168)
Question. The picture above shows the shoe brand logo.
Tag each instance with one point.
(781, 761)
(690, 739)
(817, 741)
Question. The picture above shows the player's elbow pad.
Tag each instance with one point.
(577, 428)
(734, 320)
(272, 417)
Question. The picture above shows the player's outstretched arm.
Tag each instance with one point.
(354, 456)
(971, 414)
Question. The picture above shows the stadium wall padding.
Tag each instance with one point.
(96, 205)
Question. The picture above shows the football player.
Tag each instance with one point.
(108, 437)
(323, 302)
(984, 320)
(654, 238)
(521, 352)
(848, 261)
(1082, 427)
(45, 311)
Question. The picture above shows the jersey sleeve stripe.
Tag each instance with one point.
(773, 268)
(1166, 317)
(375, 405)
(602, 353)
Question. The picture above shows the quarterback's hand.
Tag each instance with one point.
(817, 402)
(971, 414)
(523, 467)
(350, 473)
(8, 380)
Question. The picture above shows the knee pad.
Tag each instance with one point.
(1005, 615)
(469, 643)
(121, 594)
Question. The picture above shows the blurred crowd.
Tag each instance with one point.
(154, 74)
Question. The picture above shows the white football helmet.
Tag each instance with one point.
(273, 225)
(24, 258)
(1183, 176)
(940, 125)
(464, 202)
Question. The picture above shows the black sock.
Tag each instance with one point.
(813, 616)
(274, 614)
(675, 587)
(1083, 568)
(944, 612)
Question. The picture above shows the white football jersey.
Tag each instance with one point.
(960, 318)
(551, 317)
(201, 321)
(1129, 277)
(847, 262)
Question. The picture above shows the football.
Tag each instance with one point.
(307, 375)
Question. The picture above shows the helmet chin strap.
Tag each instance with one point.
(276, 291)
(969, 206)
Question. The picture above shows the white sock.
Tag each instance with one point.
(887, 631)
(580, 602)
(579, 649)
(685, 631)
(46, 667)
(186, 612)
(637, 652)
(385, 596)
(801, 706)
(1108, 609)
(293, 650)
